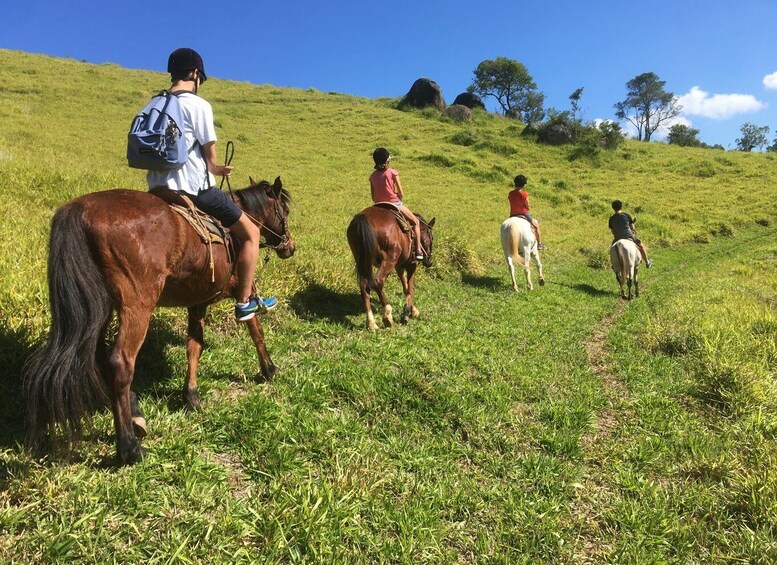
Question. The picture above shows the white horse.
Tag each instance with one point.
(519, 246)
(625, 259)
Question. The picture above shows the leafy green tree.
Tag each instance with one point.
(510, 83)
(574, 100)
(753, 137)
(685, 136)
(647, 105)
(773, 147)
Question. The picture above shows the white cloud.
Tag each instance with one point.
(770, 81)
(719, 106)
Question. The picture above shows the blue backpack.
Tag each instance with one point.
(155, 140)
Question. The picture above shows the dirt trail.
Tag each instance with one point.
(593, 492)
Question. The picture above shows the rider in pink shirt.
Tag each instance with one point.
(385, 187)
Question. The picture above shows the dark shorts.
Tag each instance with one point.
(217, 204)
(527, 216)
(633, 238)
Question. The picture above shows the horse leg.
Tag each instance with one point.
(364, 288)
(407, 278)
(536, 254)
(266, 365)
(380, 279)
(636, 282)
(194, 344)
(133, 325)
(512, 273)
(527, 266)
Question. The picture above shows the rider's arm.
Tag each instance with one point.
(398, 188)
(209, 154)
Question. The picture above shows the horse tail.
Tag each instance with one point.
(364, 245)
(511, 241)
(63, 379)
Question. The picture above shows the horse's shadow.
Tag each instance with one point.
(487, 282)
(319, 302)
(15, 348)
(587, 289)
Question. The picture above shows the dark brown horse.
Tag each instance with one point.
(127, 252)
(378, 240)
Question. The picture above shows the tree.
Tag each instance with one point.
(513, 87)
(753, 137)
(647, 105)
(684, 136)
(574, 100)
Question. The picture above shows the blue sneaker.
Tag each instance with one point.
(244, 312)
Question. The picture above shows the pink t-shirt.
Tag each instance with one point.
(382, 183)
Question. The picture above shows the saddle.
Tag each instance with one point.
(401, 220)
(208, 228)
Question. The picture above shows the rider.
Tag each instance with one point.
(385, 187)
(187, 72)
(622, 227)
(519, 206)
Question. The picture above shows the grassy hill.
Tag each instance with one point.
(559, 425)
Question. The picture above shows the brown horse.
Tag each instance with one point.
(377, 239)
(127, 251)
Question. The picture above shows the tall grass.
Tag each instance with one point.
(481, 432)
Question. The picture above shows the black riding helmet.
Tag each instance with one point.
(186, 59)
(381, 156)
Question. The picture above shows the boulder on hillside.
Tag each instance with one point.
(470, 100)
(458, 112)
(424, 92)
(555, 134)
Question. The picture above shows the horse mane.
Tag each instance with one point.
(254, 197)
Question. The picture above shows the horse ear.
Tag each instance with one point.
(431, 222)
(251, 180)
(277, 186)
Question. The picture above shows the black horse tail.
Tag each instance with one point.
(63, 378)
(364, 247)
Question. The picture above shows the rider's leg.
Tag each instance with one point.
(413, 221)
(536, 226)
(247, 258)
(643, 252)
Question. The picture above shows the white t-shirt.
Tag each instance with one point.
(197, 126)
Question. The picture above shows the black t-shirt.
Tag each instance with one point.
(620, 224)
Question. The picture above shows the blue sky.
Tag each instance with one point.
(718, 56)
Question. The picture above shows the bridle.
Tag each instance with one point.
(283, 238)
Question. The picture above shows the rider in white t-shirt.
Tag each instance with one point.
(195, 177)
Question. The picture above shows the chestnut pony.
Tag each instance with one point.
(127, 251)
(377, 239)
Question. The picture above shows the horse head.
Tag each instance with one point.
(268, 206)
(426, 239)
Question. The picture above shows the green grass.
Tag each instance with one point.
(484, 431)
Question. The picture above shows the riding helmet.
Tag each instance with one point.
(186, 59)
(381, 156)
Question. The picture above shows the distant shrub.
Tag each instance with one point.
(723, 230)
(437, 159)
(498, 147)
(452, 253)
(464, 137)
(596, 258)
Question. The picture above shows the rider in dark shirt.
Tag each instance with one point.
(622, 227)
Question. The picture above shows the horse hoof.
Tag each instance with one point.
(134, 455)
(139, 426)
(388, 322)
(192, 399)
(270, 372)
(542, 282)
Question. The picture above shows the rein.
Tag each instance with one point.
(230, 153)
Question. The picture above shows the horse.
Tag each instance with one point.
(377, 239)
(128, 251)
(625, 259)
(519, 246)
